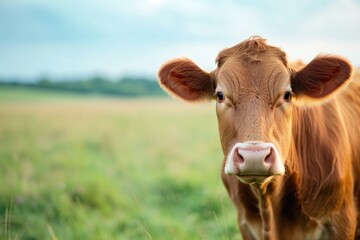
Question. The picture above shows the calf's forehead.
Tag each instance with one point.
(269, 75)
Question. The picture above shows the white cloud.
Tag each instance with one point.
(339, 20)
(138, 36)
(306, 50)
(331, 30)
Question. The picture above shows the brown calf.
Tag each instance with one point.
(290, 138)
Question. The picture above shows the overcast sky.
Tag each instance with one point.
(115, 37)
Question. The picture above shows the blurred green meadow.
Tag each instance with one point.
(75, 167)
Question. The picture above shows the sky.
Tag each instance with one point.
(117, 38)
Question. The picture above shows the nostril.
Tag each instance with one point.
(270, 158)
(238, 159)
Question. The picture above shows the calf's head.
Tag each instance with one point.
(255, 92)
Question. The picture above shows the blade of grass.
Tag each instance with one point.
(51, 232)
(7, 231)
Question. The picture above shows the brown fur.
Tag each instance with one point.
(317, 135)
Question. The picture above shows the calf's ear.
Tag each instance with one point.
(183, 78)
(320, 79)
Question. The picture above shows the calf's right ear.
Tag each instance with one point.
(183, 78)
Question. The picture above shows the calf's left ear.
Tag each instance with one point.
(183, 78)
(321, 78)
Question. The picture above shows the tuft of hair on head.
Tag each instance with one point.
(251, 50)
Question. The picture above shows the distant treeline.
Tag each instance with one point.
(128, 86)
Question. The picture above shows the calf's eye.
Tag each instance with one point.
(287, 96)
(220, 96)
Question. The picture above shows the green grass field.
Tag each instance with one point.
(105, 168)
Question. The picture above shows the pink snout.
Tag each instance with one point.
(254, 159)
